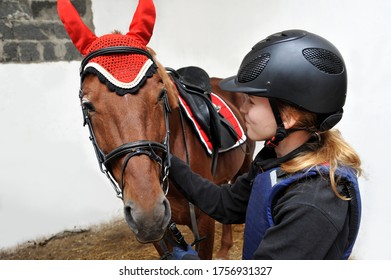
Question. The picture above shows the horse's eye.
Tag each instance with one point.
(87, 105)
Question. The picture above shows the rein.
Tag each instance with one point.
(131, 149)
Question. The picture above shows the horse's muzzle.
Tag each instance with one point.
(148, 225)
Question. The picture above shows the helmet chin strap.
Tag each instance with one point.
(281, 132)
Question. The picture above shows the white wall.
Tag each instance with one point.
(49, 178)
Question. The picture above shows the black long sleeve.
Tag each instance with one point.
(226, 203)
(310, 221)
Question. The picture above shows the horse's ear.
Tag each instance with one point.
(81, 36)
(141, 27)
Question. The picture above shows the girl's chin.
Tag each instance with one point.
(254, 136)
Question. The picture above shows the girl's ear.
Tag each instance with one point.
(290, 119)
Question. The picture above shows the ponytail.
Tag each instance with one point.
(331, 149)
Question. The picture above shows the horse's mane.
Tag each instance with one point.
(167, 81)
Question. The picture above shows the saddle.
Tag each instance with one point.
(193, 84)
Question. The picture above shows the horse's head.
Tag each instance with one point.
(125, 106)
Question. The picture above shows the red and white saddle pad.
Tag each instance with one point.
(226, 112)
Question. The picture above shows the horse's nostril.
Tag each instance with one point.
(129, 218)
(167, 213)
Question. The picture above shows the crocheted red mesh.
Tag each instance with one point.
(123, 67)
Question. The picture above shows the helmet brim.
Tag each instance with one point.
(229, 84)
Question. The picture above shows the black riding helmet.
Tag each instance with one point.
(297, 67)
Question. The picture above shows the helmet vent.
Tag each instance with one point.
(324, 60)
(253, 69)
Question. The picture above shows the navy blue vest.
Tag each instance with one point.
(265, 187)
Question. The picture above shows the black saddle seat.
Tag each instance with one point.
(195, 78)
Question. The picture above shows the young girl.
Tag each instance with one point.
(300, 200)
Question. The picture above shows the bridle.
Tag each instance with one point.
(129, 150)
(137, 148)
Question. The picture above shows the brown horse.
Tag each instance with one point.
(131, 107)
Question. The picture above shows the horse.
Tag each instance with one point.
(131, 106)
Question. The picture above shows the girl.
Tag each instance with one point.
(300, 199)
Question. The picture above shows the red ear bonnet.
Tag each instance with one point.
(122, 73)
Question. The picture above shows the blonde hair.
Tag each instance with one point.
(331, 148)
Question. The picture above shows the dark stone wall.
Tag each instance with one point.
(31, 31)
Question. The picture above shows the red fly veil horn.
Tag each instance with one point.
(81, 36)
(140, 29)
(121, 72)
